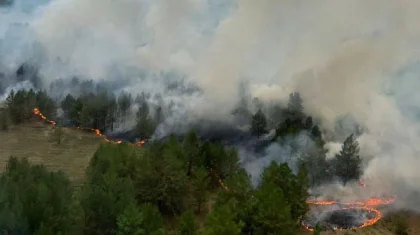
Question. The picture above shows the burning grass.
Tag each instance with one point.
(346, 215)
(35, 141)
(344, 218)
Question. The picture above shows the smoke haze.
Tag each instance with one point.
(345, 57)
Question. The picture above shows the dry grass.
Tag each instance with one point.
(383, 227)
(36, 141)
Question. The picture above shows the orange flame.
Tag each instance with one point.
(374, 201)
(38, 113)
(368, 205)
(365, 205)
(376, 218)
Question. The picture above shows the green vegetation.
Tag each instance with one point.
(130, 192)
(199, 185)
(347, 162)
(20, 105)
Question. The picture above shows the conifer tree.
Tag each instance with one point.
(258, 124)
(187, 224)
(348, 161)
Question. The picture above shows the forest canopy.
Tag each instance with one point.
(201, 185)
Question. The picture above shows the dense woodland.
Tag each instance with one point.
(166, 187)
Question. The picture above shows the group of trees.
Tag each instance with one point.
(292, 121)
(20, 105)
(129, 191)
(102, 111)
(199, 185)
(91, 110)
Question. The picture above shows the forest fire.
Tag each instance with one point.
(348, 216)
(369, 202)
(38, 113)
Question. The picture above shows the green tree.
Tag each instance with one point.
(20, 105)
(222, 220)
(319, 170)
(292, 186)
(348, 162)
(200, 184)
(160, 178)
(125, 101)
(191, 147)
(239, 188)
(187, 224)
(220, 161)
(258, 124)
(272, 213)
(301, 187)
(145, 125)
(35, 199)
(71, 108)
(145, 220)
(108, 190)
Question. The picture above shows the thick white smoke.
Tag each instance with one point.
(352, 57)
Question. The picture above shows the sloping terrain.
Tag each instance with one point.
(38, 142)
(384, 227)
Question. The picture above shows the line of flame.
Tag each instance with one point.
(378, 216)
(368, 205)
(38, 113)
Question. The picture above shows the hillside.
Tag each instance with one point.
(384, 227)
(35, 140)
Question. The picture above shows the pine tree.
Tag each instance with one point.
(139, 221)
(201, 182)
(187, 224)
(222, 220)
(258, 124)
(294, 187)
(348, 161)
(145, 126)
(301, 193)
(191, 148)
(272, 214)
(124, 103)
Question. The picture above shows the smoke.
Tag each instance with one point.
(346, 57)
(24, 85)
(288, 151)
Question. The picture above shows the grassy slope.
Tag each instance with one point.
(36, 142)
(383, 227)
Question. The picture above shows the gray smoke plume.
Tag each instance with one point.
(347, 57)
